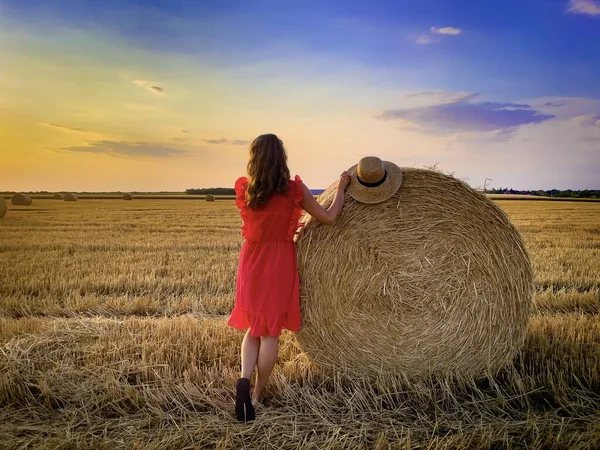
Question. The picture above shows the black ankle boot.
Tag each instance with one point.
(244, 411)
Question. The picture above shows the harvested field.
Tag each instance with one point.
(113, 335)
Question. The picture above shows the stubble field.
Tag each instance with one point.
(113, 335)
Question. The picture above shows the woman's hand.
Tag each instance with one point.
(329, 215)
(344, 181)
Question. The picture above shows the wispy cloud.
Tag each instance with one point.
(63, 127)
(586, 7)
(424, 39)
(132, 149)
(463, 116)
(575, 109)
(224, 141)
(591, 120)
(150, 85)
(439, 96)
(446, 30)
(435, 34)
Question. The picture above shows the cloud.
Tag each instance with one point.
(439, 96)
(435, 33)
(224, 141)
(587, 120)
(592, 120)
(126, 149)
(446, 30)
(63, 127)
(463, 116)
(574, 109)
(586, 7)
(150, 85)
(424, 39)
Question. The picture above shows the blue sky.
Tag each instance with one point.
(531, 47)
(460, 82)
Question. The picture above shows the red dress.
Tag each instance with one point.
(268, 286)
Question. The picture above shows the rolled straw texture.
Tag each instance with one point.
(3, 207)
(71, 197)
(21, 200)
(209, 198)
(435, 279)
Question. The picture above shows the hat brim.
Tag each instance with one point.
(378, 194)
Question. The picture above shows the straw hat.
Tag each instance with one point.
(374, 180)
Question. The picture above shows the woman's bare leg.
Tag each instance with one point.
(267, 357)
(250, 349)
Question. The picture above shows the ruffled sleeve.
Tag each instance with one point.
(298, 195)
(241, 185)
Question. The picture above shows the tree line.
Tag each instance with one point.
(213, 191)
(567, 193)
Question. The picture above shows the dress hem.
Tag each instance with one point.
(261, 325)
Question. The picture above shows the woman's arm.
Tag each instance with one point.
(330, 215)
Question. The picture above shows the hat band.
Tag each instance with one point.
(378, 183)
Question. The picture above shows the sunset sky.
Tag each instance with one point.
(166, 95)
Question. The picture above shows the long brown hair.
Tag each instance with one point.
(268, 172)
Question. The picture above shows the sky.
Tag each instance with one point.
(166, 95)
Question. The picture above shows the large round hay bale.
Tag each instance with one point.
(71, 197)
(128, 197)
(58, 196)
(210, 198)
(21, 200)
(3, 207)
(433, 280)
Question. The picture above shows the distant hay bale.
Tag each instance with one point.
(71, 197)
(210, 198)
(58, 196)
(128, 197)
(3, 207)
(21, 200)
(433, 280)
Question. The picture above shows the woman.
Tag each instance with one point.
(268, 286)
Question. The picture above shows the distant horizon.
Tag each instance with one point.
(313, 191)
